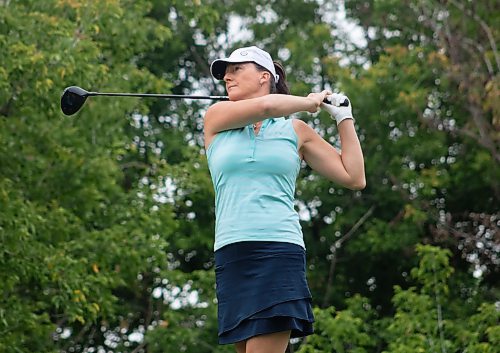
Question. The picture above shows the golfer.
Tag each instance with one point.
(254, 155)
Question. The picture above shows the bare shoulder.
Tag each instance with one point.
(299, 125)
(214, 109)
(208, 120)
(304, 132)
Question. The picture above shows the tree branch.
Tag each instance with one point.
(139, 347)
(338, 244)
(454, 45)
(5, 109)
(473, 44)
(484, 129)
(484, 26)
(134, 164)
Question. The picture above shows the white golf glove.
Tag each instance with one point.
(338, 112)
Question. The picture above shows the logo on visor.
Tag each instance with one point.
(243, 53)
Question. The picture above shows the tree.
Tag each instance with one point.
(424, 320)
(77, 248)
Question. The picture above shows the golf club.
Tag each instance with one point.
(74, 97)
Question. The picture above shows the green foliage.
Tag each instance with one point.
(481, 332)
(73, 241)
(343, 331)
(421, 322)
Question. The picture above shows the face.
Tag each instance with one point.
(243, 81)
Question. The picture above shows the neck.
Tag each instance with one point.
(259, 93)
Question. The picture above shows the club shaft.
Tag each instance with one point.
(174, 96)
(157, 95)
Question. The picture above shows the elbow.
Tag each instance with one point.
(358, 184)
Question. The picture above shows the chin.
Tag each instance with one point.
(234, 97)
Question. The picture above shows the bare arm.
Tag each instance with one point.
(232, 115)
(346, 168)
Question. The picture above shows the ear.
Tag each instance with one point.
(264, 77)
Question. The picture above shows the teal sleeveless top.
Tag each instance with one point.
(254, 180)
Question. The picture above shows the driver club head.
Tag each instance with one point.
(72, 99)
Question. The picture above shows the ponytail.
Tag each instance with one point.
(282, 86)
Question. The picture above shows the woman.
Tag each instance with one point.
(254, 157)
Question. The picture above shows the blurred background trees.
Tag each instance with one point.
(106, 218)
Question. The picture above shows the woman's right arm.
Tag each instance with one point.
(229, 115)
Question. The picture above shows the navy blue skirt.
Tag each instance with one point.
(262, 288)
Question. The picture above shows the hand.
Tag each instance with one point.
(317, 99)
(339, 113)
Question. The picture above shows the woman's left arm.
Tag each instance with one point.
(346, 168)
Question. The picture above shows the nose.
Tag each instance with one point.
(227, 76)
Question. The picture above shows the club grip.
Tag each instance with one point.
(343, 104)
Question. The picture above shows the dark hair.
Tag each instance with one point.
(282, 86)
